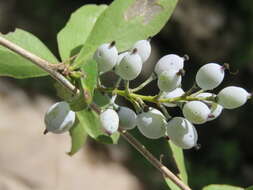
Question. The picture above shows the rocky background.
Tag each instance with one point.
(214, 31)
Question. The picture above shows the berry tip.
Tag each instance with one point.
(112, 44)
(45, 132)
(186, 57)
(135, 50)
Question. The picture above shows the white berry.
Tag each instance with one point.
(169, 80)
(196, 112)
(209, 76)
(232, 97)
(173, 94)
(151, 124)
(109, 120)
(106, 57)
(127, 118)
(144, 49)
(119, 59)
(130, 66)
(182, 133)
(59, 118)
(169, 62)
(215, 108)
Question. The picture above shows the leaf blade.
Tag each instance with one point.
(73, 35)
(78, 138)
(178, 157)
(89, 82)
(115, 24)
(14, 65)
(222, 187)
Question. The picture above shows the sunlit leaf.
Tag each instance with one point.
(126, 21)
(74, 34)
(13, 65)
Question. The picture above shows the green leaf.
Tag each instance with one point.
(72, 37)
(100, 100)
(78, 137)
(86, 84)
(178, 157)
(13, 65)
(62, 92)
(171, 185)
(222, 187)
(249, 188)
(78, 102)
(89, 81)
(89, 119)
(126, 21)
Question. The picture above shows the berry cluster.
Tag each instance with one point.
(197, 105)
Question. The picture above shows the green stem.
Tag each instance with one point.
(141, 86)
(192, 90)
(127, 90)
(165, 111)
(198, 92)
(153, 99)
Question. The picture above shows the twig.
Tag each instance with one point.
(156, 163)
(45, 65)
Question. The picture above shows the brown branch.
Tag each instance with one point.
(46, 66)
(156, 163)
(43, 64)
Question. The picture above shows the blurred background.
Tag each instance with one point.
(214, 31)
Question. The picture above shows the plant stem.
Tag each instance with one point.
(117, 84)
(155, 162)
(165, 112)
(127, 90)
(141, 86)
(192, 90)
(45, 65)
(153, 99)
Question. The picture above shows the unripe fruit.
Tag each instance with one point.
(59, 118)
(182, 133)
(109, 120)
(151, 124)
(144, 49)
(209, 76)
(196, 112)
(106, 57)
(130, 66)
(169, 62)
(169, 80)
(232, 97)
(215, 108)
(173, 94)
(127, 118)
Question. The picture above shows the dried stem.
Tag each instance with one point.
(46, 66)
